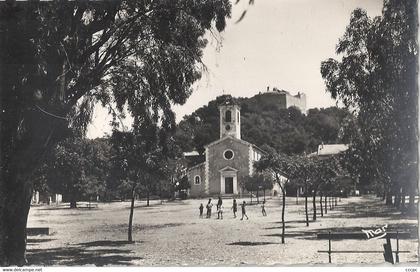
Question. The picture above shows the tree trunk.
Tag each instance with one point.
(402, 207)
(320, 204)
(258, 199)
(17, 200)
(130, 219)
(282, 215)
(388, 199)
(411, 205)
(397, 199)
(306, 209)
(326, 206)
(148, 198)
(16, 193)
(335, 198)
(73, 202)
(314, 205)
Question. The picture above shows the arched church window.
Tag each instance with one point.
(228, 154)
(197, 180)
(228, 116)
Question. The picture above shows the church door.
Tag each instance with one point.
(228, 185)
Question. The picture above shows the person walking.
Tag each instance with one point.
(234, 208)
(208, 207)
(201, 208)
(244, 211)
(264, 213)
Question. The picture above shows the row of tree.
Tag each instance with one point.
(376, 78)
(109, 169)
(323, 177)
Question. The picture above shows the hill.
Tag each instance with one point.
(265, 122)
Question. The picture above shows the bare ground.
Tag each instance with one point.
(172, 234)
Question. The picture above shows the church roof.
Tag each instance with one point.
(235, 139)
(227, 137)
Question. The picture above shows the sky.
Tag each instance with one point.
(279, 43)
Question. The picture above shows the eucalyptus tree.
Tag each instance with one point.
(304, 175)
(59, 57)
(325, 173)
(376, 76)
(138, 158)
(283, 169)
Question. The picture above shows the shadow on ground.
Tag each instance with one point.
(75, 256)
(280, 227)
(372, 208)
(39, 240)
(292, 222)
(107, 243)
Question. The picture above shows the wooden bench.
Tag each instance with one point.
(362, 236)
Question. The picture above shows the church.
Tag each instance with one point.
(228, 160)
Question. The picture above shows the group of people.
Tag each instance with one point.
(234, 208)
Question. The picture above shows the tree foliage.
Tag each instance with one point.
(265, 122)
(77, 168)
(258, 182)
(58, 58)
(376, 77)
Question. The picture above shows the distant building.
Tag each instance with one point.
(227, 161)
(329, 150)
(287, 100)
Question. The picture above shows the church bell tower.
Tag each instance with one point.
(230, 119)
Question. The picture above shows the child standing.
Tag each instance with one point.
(220, 212)
(201, 208)
(244, 211)
(209, 206)
(263, 209)
(234, 208)
(219, 202)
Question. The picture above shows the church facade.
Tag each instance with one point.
(228, 160)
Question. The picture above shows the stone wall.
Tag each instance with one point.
(197, 190)
(298, 101)
(216, 161)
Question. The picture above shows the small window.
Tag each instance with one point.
(197, 180)
(228, 116)
(228, 154)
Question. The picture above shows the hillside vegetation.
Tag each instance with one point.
(265, 122)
